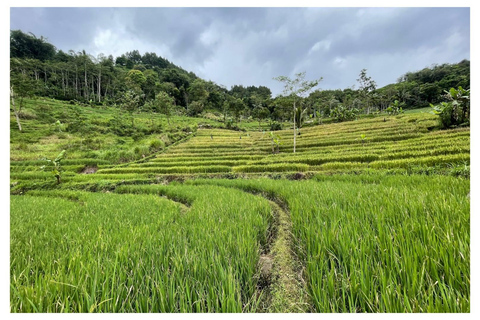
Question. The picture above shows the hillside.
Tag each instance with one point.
(179, 214)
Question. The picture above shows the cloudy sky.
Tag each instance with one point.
(250, 46)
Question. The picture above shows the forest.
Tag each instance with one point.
(136, 82)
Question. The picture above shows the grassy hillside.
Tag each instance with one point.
(184, 216)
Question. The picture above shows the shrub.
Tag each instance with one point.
(341, 113)
(156, 145)
(456, 111)
(275, 126)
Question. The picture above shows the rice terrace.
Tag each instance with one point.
(137, 187)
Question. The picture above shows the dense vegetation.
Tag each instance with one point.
(138, 187)
(147, 82)
(404, 250)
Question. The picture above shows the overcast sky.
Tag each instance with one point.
(250, 46)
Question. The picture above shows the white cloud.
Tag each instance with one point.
(323, 45)
(340, 62)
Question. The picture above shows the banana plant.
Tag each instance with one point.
(275, 142)
(57, 166)
(395, 108)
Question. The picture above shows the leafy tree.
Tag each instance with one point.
(150, 84)
(195, 108)
(176, 77)
(297, 88)
(21, 87)
(260, 113)
(341, 113)
(236, 106)
(131, 103)
(198, 92)
(276, 142)
(135, 80)
(164, 104)
(24, 45)
(366, 87)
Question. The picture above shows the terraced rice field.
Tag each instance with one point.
(365, 232)
(399, 142)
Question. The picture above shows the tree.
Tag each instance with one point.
(236, 106)
(24, 45)
(135, 79)
(367, 85)
(198, 92)
(298, 88)
(164, 104)
(456, 111)
(131, 103)
(194, 108)
(22, 86)
(259, 111)
(276, 142)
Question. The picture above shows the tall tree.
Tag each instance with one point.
(366, 86)
(297, 88)
(164, 104)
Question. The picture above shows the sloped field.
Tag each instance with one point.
(399, 142)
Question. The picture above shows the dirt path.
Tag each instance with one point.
(287, 288)
(280, 271)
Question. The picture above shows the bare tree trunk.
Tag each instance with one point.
(63, 82)
(86, 83)
(76, 80)
(106, 90)
(294, 123)
(99, 83)
(15, 109)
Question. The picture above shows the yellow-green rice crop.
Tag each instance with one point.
(137, 253)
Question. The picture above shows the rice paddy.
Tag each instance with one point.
(211, 220)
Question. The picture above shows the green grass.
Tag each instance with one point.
(136, 253)
(379, 244)
(383, 225)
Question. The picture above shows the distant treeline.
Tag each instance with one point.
(39, 69)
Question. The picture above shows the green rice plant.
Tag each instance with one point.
(278, 167)
(428, 161)
(196, 163)
(378, 243)
(183, 169)
(137, 253)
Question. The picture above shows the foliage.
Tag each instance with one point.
(195, 108)
(24, 45)
(341, 113)
(395, 108)
(274, 126)
(298, 89)
(163, 103)
(456, 111)
(276, 142)
(57, 166)
(137, 252)
(381, 253)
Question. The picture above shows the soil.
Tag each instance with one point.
(89, 170)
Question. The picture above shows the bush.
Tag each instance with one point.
(156, 145)
(456, 111)
(274, 126)
(341, 113)
(137, 136)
